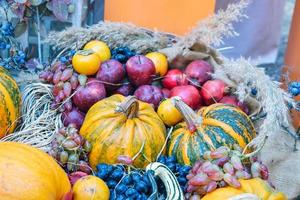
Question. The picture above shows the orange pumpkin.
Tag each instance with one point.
(123, 126)
(29, 173)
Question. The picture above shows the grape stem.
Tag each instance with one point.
(162, 149)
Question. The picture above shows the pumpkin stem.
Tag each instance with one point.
(130, 107)
(189, 116)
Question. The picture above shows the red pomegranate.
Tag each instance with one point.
(198, 72)
(232, 100)
(174, 78)
(189, 94)
(213, 91)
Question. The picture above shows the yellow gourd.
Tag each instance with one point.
(255, 186)
(90, 187)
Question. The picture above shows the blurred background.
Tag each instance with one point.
(34, 19)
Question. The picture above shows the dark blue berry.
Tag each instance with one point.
(146, 180)
(102, 174)
(127, 180)
(72, 52)
(120, 50)
(171, 159)
(117, 174)
(294, 91)
(8, 46)
(121, 188)
(186, 169)
(181, 180)
(111, 183)
(63, 59)
(177, 167)
(144, 197)
(171, 166)
(162, 159)
(136, 177)
(254, 91)
(120, 198)
(129, 54)
(121, 58)
(102, 167)
(295, 84)
(131, 192)
(141, 187)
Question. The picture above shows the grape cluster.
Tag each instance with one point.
(70, 150)
(294, 88)
(65, 81)
(122, 54)
(134, 185)
(180, 171)
(7, 29)
(220, 168)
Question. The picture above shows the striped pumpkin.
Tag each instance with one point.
(10, 100)
(213, 126)
(123, 126)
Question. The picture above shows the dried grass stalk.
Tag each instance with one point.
(215, 28)
(39, 121)
(113, 33)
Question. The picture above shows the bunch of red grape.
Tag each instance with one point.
(221, 168)
(70, 150)
(65, 81)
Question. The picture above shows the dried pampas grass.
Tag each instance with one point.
(113, 33)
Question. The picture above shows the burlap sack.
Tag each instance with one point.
(268, 107)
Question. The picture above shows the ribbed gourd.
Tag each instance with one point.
(29, 173)
(213, 126)
(10, 103)
(121, 125)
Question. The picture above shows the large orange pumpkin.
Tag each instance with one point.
(27, 173)
(123, 126)
(10, 100)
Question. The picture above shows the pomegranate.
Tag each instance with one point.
(232, 100)
(174, 78)
(73, 117)
(111, 71)
(87, 95)
(150, 94)
(213, 91)
(189, 94)
(166, 93)
(140, 70)
(198, 72)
